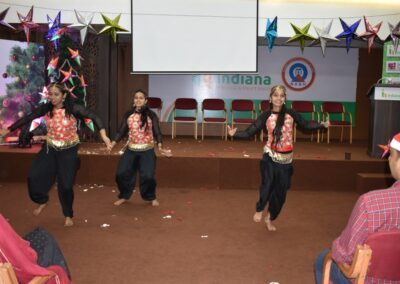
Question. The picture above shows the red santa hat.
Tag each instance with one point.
(395, 143)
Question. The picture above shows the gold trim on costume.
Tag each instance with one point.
(280, 158)
(140, 147)
(61, 144)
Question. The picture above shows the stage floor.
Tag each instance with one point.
(210, 236)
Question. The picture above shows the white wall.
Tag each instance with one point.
(111, 8)
(297, 12)
(302, 12)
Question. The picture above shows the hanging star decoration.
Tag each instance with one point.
(2, 21)
(27, 24)
(75, 55)
(84, 25)
(301, 35)
(67, 76)
(35, 123)
(44, 95)
(324, 36)
(70, 91)
(271, 32)
(54, 27)
(89, 123)
(394, 36)
(112, 27)
(59, 33)
(84, 85)
(370, 33)
(52, 66)
(349, 33)
(385, 149)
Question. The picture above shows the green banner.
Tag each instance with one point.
(391, 64)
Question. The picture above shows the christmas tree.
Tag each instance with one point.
(22, 95)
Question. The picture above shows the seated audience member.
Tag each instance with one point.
(24, 259)
(374, 211)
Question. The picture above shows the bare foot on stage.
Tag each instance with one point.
(120, 201)
(68, 222)
(38, 210)
(155, 203)
(257, 217)
(268, 223)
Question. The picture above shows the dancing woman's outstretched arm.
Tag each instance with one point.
(304, 124)
(36, 113)
(250, 131)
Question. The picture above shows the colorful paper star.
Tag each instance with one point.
(112, 26)
(83, 83)
(348, 33)
(70, 91)
(324, 36)
(301, 35)
(67, 76)
(35, 123)
(44, 95)
(394, 35)
(54, 27)
(84, 25)
(370, 32)
(52, 66)
(385, 149)
(2, 16)
(75, 55)
(271, 32)
(59, 33)
(89, 123)
(27, 24)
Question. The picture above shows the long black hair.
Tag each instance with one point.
(144, 111)
(67, 101)
(281, 115)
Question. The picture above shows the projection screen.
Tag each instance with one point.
(194, 36)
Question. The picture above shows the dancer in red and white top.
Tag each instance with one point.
(276, 164)
(142, 126)
(58, 157)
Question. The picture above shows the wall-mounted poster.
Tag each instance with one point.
(391, 64)
(392, 67)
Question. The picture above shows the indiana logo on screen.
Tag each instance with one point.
(298, 74)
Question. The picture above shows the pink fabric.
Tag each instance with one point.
(62, 276)
(15, 250)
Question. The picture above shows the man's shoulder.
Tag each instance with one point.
(382, 195)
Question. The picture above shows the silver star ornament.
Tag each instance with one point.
(324, 36)
(84, 25)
